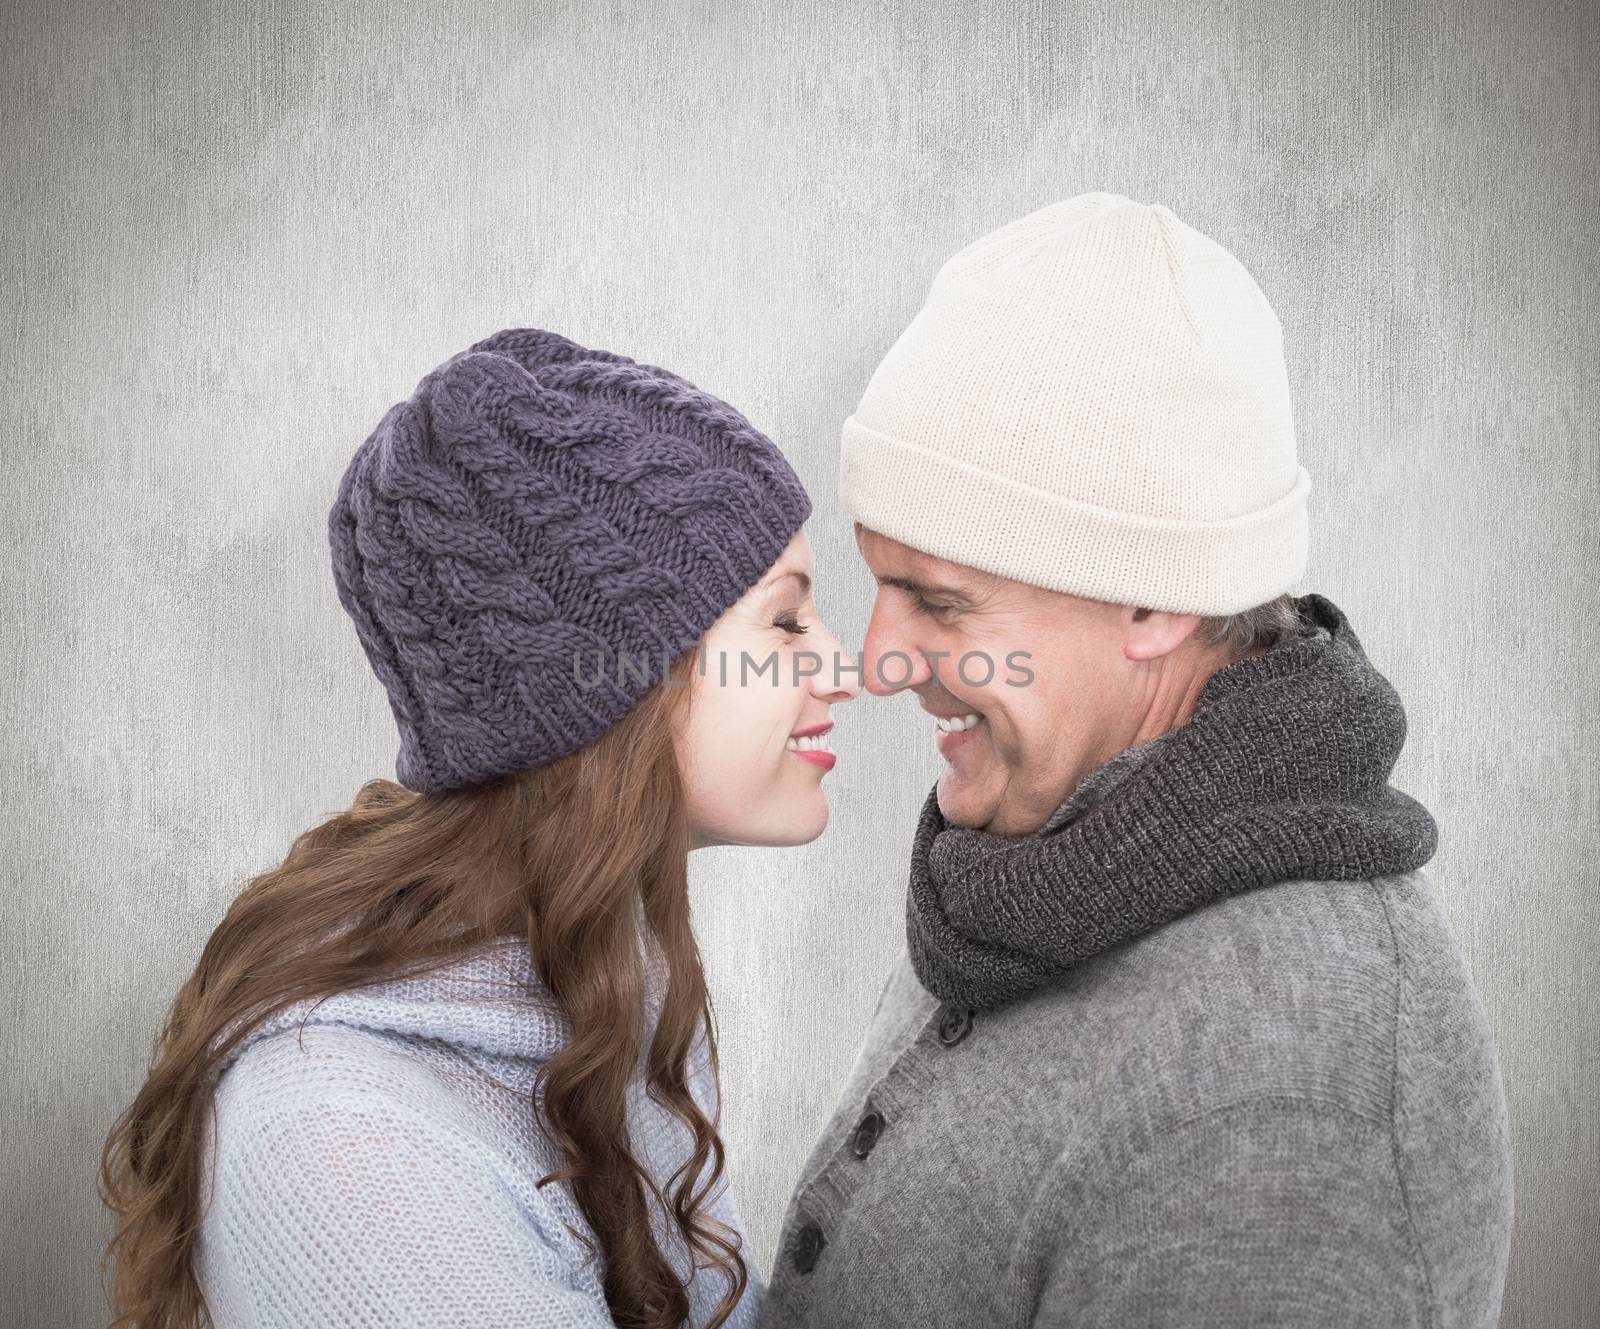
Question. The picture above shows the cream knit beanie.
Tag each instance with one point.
(1093, 399)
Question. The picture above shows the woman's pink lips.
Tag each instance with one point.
(816, 756)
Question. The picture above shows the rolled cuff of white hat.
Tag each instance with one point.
(955, 511)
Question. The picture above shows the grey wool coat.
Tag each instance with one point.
(1281, 1110)
(1204, 1051)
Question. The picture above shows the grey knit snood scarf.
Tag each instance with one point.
(1280, 774)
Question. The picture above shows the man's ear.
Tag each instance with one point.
(1149, 634)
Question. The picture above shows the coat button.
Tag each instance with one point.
(866, 1134)
(807, 1247)
(955, 1023)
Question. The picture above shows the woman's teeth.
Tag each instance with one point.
(811, 743)
(956, 723)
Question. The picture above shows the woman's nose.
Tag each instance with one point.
(840, 677)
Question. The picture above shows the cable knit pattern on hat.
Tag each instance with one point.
(376, 1162)
(528, 541)
(1092, 399)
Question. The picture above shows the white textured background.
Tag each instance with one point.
(231, 235)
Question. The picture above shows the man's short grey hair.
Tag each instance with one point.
(1251, 628)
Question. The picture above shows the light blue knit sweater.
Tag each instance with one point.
(378, 1167)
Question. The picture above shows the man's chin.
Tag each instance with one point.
(961, 804)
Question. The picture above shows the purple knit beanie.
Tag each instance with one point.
(533, 512)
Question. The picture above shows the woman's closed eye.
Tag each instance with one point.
(790, 623)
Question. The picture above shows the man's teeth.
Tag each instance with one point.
(956, 723)
(811, 743)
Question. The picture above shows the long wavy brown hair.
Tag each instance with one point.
(584, 858)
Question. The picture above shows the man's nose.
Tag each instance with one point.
(890, 661)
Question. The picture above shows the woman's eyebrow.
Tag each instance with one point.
(802, 578)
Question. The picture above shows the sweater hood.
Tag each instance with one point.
(490, 1003)
(1280, 773)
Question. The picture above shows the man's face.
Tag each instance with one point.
(1097, 679)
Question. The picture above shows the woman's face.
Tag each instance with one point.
(767, 670)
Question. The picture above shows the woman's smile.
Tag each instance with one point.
(811, 744)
